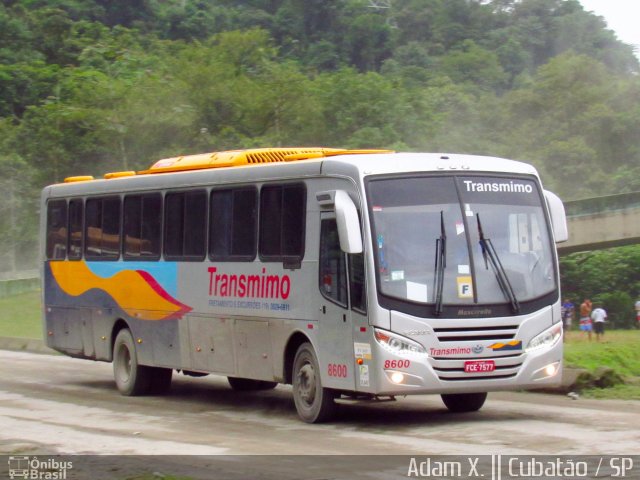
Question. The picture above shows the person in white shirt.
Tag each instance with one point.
(598, 315)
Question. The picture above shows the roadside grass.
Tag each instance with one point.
(618, 392)
(20, 316)
(619, 351)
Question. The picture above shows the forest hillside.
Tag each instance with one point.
(90, 86)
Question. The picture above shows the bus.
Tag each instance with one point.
(350, 275)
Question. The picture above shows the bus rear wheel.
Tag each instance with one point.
(248, 385)
(131, 378)
(314, 403)
(464, 402)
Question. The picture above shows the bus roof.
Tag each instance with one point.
(290, 162)
(425, 162)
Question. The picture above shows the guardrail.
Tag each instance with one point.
(607, 203)
(16, 286)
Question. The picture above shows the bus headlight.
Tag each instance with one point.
(397, 344)
(546, 339)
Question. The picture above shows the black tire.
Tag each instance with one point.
(160, 380)
(249, 385)
(131, 378)
(464, 402)
(314, 403)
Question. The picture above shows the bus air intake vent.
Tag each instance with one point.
(238, 158)
(492, 333)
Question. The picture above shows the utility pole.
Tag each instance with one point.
(380, 4)
(385, 6)
(13, 234)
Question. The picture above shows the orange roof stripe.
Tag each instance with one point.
(235, 158)
(232, 158)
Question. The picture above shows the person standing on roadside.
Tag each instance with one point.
(567, 313)
(599, 316)
(585, 318)
(638, 313)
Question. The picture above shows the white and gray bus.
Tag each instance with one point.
(347, 274)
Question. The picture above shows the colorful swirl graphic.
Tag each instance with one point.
(136, 291)
(512, 345)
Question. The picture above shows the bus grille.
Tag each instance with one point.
(452, 370)
(466, 334)
(507, 363)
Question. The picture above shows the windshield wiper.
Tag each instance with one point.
(441, 263)
(489, 253)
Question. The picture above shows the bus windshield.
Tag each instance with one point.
(461, 240)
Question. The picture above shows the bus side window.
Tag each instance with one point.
(142, 226)
(151, 226)
(357, 283)
(233, 224)
(57, 230)
(282, 222)
(102, 228)
(332, 269)
(75, 229)
(185, 225)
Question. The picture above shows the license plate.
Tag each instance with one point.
(479, 366)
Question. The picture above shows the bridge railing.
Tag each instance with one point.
(608, 203)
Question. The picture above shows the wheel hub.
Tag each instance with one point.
(124, 364)
(307, 383)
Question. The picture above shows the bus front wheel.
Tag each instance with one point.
(131, 378)
(464, 402)
(314, 403)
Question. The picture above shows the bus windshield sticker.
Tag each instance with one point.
(417, 292)
(397, 275)
(467, 210)
(465, 289)
(464, 270)
(459, 228)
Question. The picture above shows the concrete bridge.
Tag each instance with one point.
(602, 222)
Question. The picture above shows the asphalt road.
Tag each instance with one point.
(58, 405)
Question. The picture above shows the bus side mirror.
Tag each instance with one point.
(348, 223)
(347, 219)
(558, 217)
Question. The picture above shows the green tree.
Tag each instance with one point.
(18, 222)
(567, 121)
(608, 277)
(470, 63)
(25, 84)
(16, 38)
(367, 41)
(352, 102)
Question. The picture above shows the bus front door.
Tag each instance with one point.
(335, 335)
